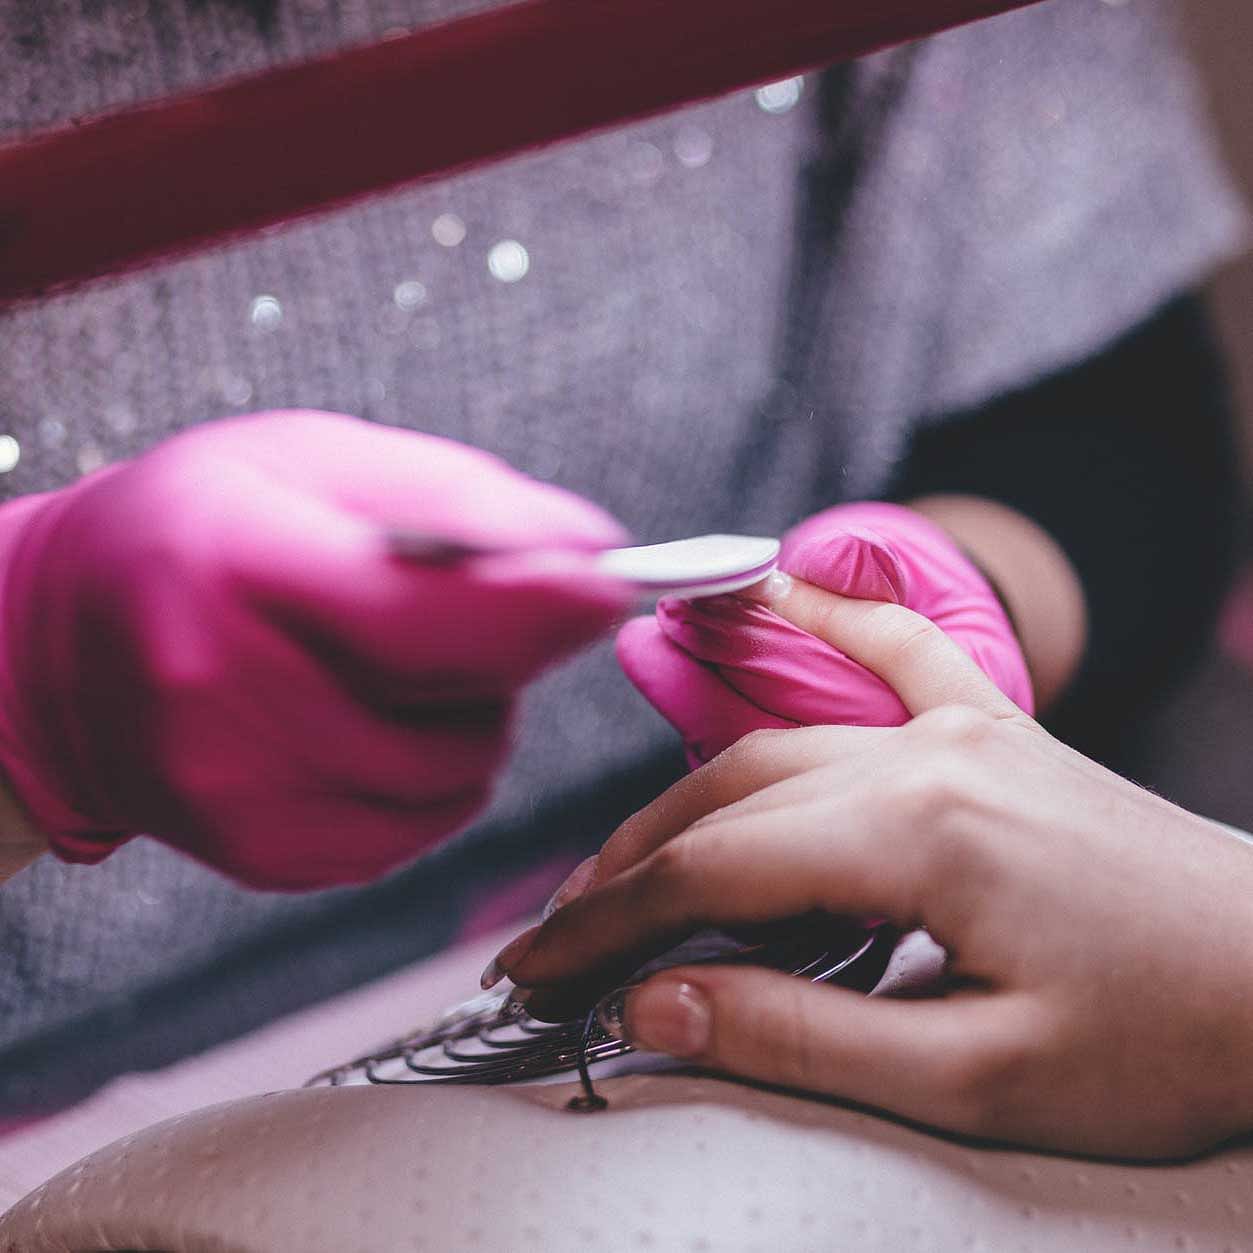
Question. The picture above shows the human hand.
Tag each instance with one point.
(720, 668)
(213, 644)
(1100, 964)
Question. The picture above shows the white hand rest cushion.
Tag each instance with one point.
(674, 1163)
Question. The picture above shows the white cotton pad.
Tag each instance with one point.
(708, 565)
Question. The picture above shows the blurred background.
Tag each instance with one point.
(1196, 749)
(1222, 33)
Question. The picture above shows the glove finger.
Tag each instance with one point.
(406, 479)
(777, 667)
(328, 578)
(213, 542)
(707, 712)
(939, 580)
(850, 559)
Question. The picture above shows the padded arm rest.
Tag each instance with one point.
(676, 1162)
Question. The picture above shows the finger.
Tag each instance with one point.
(908, 652)
(328, 578)
(751, 870)
(921, 1060)
(403, 478)
(777, 665)
(745, 772)
(696, 701)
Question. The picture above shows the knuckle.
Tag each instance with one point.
(823, 619)
(764, 742)
(930, 792)
(903, 633)
(748, 758)
(943, 777)
(671, 867)
(988, 1084)
(955, 726)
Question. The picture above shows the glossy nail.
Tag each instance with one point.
(507, 958)
(667, 1016)
(776, 586)
(576, 883)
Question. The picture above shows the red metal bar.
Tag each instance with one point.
(114, 191)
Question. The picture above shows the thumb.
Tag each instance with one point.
(923, 1060)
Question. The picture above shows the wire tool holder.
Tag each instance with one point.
(491, 1039)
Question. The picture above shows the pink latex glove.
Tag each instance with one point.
(720, 668)
(213, 645)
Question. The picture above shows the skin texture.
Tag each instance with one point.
(1101, 982)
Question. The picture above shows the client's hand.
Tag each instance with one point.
(719, 668)
(213, 644)
(1099, 937)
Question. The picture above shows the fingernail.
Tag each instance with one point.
(576, 883)
(667, 1017)
(776, 586)
(509, 956)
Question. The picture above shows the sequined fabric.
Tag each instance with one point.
(724, 318)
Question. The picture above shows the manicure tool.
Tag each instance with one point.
(707, 565)
(491, 1039)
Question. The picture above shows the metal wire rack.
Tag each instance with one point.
(491, 1039)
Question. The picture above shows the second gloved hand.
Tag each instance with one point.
(213, 644)
(720, 668)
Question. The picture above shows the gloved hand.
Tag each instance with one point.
(720, 668)
(212, 644)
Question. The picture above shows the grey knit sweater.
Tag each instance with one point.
(720, 319)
